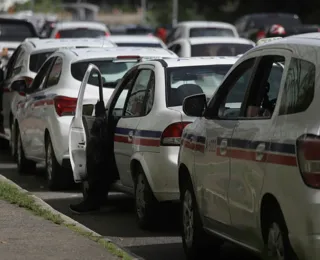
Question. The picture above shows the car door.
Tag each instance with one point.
(251, 142)
(42, 110)
(29, 111)
(80, 127)
(212, 161)
(126, 127)
(11, 71)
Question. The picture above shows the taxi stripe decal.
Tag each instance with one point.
(140, 137)
(275, 153)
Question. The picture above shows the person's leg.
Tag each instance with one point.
(97, 181)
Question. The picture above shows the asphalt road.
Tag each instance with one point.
(116, 221)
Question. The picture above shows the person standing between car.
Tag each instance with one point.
(161, 33)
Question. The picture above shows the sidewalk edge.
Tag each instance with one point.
(67, 220)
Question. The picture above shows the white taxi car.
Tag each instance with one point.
(210, 46)
(44, 115)
(137, 41)
(25, 63)
(144, 122)
(249, 173)
(79, 29)
(193, 29)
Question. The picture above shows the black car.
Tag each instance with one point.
(254, 26)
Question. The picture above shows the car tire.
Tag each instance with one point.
(196, 242)
(145, 202)
(277, 244)
(25, 166)
(58, 178)
(13, 141)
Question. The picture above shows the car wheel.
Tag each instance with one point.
(196, 242)
(57, 177)
(145, 202)
(277, 244)
(13, 141)
(25, 166)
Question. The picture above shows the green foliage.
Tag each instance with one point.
(40, 6)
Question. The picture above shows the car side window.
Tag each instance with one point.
(12, 61)
(55, 73)
(178, 49)
(18, 63)
(136, 100)
(299, 87)
(266, 84)
(230, 96)
(41, 77)
(173, 48)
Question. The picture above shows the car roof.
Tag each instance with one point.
(201, 61)
(206, 40)
(205, 24)
(303, 40)
(37, 45)
(113, 52)
(77, 24)
(134, 38)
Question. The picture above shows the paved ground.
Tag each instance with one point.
(28, 237)
(117, 221)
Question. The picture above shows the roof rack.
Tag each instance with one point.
(265, 40)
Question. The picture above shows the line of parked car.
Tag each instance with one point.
(234, 139)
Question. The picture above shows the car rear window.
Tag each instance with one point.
(219, 49)
(36, 60)
(211, 32)
(111, 71)
(187, 81)
(16, 32)
(147, 45)
(81, 33)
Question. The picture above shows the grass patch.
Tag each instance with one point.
(13, 195)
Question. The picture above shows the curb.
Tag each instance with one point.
(67, 220)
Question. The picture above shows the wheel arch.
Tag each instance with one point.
(183, 174)
(268, 204)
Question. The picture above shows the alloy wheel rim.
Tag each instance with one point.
(140, 201)
(188, 218)
(275, 243)
(49, 162)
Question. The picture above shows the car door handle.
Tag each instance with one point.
(223, 147)
(130, 136)
(260, 151)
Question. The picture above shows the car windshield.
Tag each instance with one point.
(111, 71)
(211, 31)
(186, 81)
(133, 44)
(81, 33)
(36, 60)
(15, 32)
(219, 49)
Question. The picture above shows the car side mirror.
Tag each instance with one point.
(19, 86)
(195, 105)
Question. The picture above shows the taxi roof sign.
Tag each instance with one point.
(265, 40)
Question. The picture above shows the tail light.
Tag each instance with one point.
(65, 106)
(308, 154)
(171, 136)
(57, 36)
(261, 35)
(107, 34)
(318, 29)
